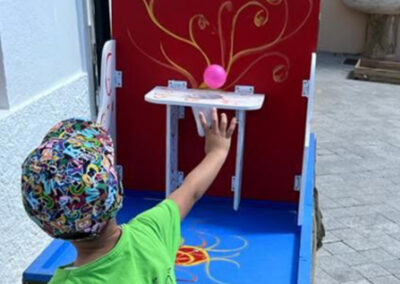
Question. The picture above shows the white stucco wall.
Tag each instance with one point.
(43, 76)
(39, 45)
(21, 130)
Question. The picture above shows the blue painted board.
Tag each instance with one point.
(261, 243)
(306, 240)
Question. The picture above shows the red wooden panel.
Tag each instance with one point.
(265, 43)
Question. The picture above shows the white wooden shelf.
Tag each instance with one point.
(205, 98)
(177, 96)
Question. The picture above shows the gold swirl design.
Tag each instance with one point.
(150, 11)
(182, 72)
(280, 73)
(225, 6)
(202, 22)
(261, 19)
(275, 74)
(249, 51)
(274, 2)
(180, 69)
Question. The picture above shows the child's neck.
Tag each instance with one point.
(94, 249)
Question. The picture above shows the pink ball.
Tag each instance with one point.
(215, 76)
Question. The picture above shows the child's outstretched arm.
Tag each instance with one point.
(217, 144)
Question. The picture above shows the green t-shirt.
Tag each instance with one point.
(144, 254)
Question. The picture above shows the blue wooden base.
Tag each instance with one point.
(260, 243)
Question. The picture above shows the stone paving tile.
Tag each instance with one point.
(368, 198)
(391, 214)
(393, 266)
(330, 237)
(371, 270)
(325, 280)
(384, 240)
(323, 252)
(389, 228)
(358, 175)
(370, 231)
(335, 191)
(393, 250)
(329, 179)
(361, 244)
(338, 248)
(353, 258)
(377, 255)
(364, 220)
(363, 281)
(345, 234)
(326, 202)
(384, 280)
(395, 236)
(332, 223)
(345, 274)
(369, 208)
(348, 201)
(337, 213)
(394, 203)
(337, 269)
(321, 277)
(329, 262)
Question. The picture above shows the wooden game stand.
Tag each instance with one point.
(276, 221)
(176, 96)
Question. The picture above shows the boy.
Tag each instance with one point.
(71, 190)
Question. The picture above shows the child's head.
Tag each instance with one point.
(69, 184)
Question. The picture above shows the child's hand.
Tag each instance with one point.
(218, 135)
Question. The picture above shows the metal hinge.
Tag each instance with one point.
(306, 88)
(97, 98)
(297, 183)
(180, 85)
(180, 177)
(244, 90)
(177, 180)
(120, 172)
(118, 79)
(233, 187)
(177, 84)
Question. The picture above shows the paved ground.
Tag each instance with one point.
(358, 174)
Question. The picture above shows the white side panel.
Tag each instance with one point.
(310, 105)
(107, 109)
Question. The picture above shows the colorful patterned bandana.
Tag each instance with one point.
(69, 184)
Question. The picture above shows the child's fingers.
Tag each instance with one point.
(223, 124)
(203, 121)
(214, 123)
(231, 128)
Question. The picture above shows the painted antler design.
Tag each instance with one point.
(261, 19)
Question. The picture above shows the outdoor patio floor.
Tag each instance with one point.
(357, 125)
